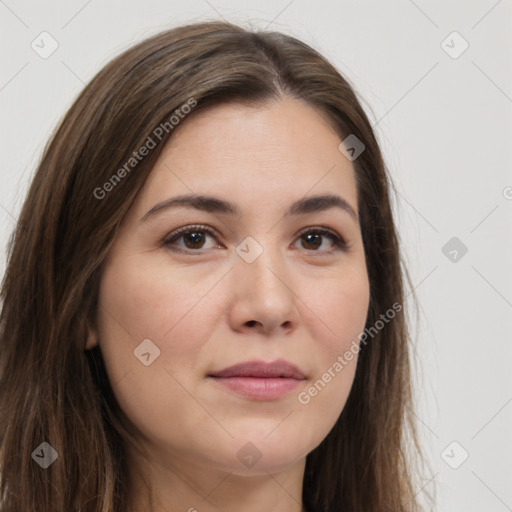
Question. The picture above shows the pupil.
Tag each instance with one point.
(313, 238)
(196, 238)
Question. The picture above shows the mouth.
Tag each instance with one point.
(260, 380)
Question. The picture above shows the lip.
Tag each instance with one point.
(260, 380)
(276, 369)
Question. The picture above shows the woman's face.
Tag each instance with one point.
(253, 279)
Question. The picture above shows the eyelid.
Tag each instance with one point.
(323, 230)
(190, 228)
(175, 234)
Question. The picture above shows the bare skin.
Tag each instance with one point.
(302, 299)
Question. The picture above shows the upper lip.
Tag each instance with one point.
(279, 368)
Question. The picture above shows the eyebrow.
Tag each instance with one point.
(212, 204)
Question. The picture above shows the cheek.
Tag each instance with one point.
(139, 302)
(151, 304)
(340, 305)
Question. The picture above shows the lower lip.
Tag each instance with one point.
(259, 388)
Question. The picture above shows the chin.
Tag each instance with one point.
(269, 462)
(262, 451)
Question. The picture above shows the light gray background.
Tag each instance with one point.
(445, 126)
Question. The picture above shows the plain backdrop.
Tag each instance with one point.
(436, 81)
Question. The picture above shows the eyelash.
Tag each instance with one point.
(338, 242)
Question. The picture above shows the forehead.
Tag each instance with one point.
(286, 124)
(281, 149)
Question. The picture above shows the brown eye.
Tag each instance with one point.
(313, 239)
(193, 238)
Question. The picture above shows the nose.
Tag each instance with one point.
(263, 299)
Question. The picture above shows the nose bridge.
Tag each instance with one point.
(262, 261)
(262, 278)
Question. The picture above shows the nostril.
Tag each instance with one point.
(250, 323)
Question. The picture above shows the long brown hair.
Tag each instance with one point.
(53, 390)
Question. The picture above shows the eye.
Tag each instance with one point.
(313, 239)
(193, 237)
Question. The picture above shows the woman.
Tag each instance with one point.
(203, 303)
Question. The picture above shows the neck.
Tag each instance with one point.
(182, 486)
